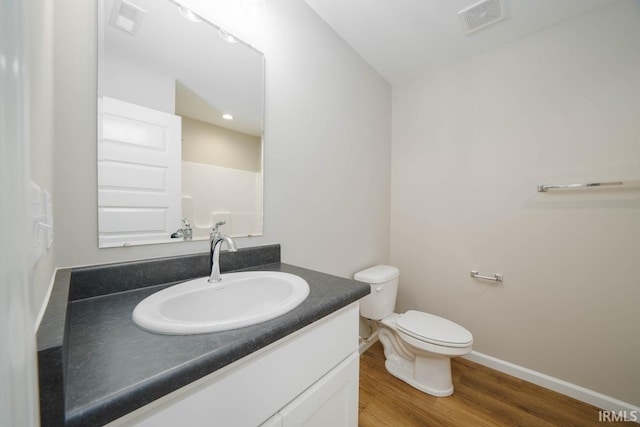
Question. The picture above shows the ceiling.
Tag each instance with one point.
(213, 76)
(402, 39)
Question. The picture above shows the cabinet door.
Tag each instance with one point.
(332, 401)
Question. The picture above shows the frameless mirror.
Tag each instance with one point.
(180, 110)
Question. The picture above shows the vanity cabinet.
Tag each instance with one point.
(332, 401)
(309, 378)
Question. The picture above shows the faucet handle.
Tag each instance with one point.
(218, 224)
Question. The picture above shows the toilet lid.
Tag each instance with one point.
(433, 329)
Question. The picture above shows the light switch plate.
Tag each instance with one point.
(42, 214)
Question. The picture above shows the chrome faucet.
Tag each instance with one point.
(185, 232)
(216, 239)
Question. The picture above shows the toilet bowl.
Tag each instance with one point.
(417, 346)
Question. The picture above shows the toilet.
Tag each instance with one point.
(417, 346)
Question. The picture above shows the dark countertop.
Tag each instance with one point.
(114, 367)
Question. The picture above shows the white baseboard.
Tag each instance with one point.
(591, 397)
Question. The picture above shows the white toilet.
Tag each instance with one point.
(417, 346)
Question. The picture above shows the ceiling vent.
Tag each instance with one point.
(482, 14)
(126, 16)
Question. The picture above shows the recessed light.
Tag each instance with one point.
(189, 14)
(227, 116)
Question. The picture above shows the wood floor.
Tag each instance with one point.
(482, 397)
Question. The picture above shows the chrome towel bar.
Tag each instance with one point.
(544, 188)
(495, 277)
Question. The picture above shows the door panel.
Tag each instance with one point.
(139, 173)
(332, 401)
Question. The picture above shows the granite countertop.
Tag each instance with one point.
(113, 367)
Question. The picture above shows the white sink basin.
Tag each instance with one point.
(238, 300)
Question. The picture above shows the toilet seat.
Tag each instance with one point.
(434, 330)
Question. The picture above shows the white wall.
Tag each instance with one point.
(207, 143)
(328, 132)
(327, 144)
(470, 144)
(132, 83)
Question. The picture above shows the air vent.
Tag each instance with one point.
(126, 16)
(482, 14)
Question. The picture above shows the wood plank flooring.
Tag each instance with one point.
(482, 397)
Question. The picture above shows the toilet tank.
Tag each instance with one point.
(381, 302)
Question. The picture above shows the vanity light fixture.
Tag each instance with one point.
(227, 116)
(188, 13)
(226, 36)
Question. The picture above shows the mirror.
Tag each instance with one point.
(180, 111)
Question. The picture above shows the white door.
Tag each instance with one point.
(139, 176)
(18, 371)
(332, 401)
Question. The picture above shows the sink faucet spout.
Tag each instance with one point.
(216, 241)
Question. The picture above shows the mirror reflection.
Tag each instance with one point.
(180, 108)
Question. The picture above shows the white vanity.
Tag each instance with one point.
(97, 367)
(309, 378)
